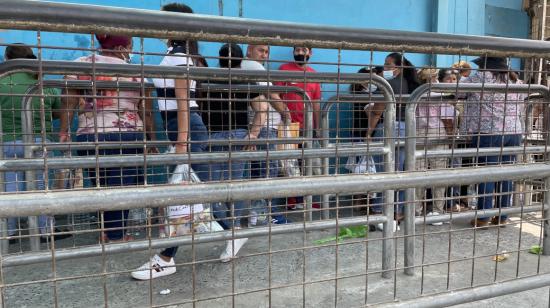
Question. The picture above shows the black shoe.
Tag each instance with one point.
(56, 237)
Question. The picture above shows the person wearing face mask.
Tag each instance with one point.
(402, 77)
(294, 101)
(115, 115)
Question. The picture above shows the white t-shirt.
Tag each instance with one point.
(274, 118)
(177, 59)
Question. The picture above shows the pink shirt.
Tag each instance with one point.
(116, 111)
(430, 114)
(494, 112)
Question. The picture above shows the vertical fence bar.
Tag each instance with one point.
(546, 201)
(410, 202)
(388, 255)
(4, 244)
(30, 175)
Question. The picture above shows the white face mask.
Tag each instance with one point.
(370, 88)
(388, 74)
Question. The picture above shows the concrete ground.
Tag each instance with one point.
(298, 272)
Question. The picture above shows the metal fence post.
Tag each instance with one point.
(30, 175)
(4, 244)
(410, 196)
(388, 255)
(546, 201)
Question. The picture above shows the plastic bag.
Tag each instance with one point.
(364, 165)
(289, 167)
(184, 219)
(317, 162)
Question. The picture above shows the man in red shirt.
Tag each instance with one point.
(294, 101)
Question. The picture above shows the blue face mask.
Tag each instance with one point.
(388, 75)
(370, 88)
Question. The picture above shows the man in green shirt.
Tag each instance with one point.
(12, 90)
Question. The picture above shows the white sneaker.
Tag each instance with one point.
(396, 228)
(232, 248)
(156, 267)
(435, 214)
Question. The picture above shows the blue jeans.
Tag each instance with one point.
(504, 187)
(399, 134)
(269, 168)
(109, 177)
(228, 214)
(15, 182)
(199, 140)
(198, 135)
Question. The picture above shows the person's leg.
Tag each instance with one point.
(127, 176)
(438, 191)
(399, 132)
(485, 190)
(378, 199)
(199, 137)
(199, 144)
(506, 187)
(217, 171)
(420, 193)
(13, 181)
(235, 172)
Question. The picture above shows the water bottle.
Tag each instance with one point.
(137, 219)
(258, 213)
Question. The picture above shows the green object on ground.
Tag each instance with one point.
(345, 233)
(535, 249)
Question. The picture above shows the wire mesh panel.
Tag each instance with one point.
(236, 180)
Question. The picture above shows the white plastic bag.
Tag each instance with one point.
(316, 162)
(364, 165)
(186, 218)
(289, 167)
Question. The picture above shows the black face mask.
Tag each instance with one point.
(301, 58)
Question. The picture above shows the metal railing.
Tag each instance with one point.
(91, 19)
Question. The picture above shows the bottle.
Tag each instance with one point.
(258, 213)
(136, 222)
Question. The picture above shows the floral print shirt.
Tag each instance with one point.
(494, 112)
(116, 111)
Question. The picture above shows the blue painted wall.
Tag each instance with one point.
(477, 17)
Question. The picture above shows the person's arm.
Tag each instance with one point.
(449, 127)
(374, 113)
(260, 108)
(68, 105)
(277, 104)
(182, 97)
(148, 116)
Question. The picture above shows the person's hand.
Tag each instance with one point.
(250, 147)
(285, 117)
(152, 150)
(64, 137)
(181, 148)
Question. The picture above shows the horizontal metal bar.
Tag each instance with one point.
(477, 214)
(469, 295)
(65, 17)
(173, 159)
(157, 71)
(99, 84)
(193, 158)
(53, 203)
(98, 250)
